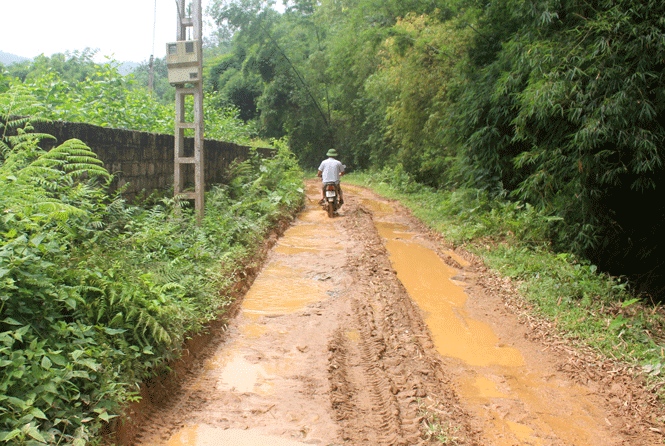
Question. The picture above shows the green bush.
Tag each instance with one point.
(96, 293)
(106, 98)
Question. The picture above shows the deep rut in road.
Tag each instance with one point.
(358, 331)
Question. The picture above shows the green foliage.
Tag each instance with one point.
(427, 52)
(103, 98)
(567, 115)
(328, 74)
(234, 85)
(99, 94)
(584, 304)
(4, 80)
(95, 294)
(163, 91)
(48, 363)
(224, 123)
(71, 66)
(433, 426)
(470, 214)
(18, 109)
(277, 71)
(558, 104)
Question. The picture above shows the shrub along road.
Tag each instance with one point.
(366, 329)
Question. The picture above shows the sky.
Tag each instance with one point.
(121, 29)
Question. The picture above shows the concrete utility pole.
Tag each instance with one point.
(151, 75)
(185, 64)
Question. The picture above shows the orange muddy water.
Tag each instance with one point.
(324, 350)
(496, 377)
(242, 368)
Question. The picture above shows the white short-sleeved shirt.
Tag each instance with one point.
(330, 170)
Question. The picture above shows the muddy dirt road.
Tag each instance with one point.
(365, 330)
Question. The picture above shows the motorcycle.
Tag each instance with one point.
(331, 202)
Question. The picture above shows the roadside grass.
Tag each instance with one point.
(97, 294)
(583, 304)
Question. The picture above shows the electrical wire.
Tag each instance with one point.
(154, 27)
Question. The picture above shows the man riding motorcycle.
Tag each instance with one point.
(329, 171)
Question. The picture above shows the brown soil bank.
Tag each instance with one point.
(365, 330)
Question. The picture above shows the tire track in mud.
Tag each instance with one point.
(357, 365)
(384, 371)
(541, 406)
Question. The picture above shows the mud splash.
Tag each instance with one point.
(516, 403)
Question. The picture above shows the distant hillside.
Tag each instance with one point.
(8, 58)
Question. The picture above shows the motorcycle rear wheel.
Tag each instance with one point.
(331, 209)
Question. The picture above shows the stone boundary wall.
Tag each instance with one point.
(142, 159)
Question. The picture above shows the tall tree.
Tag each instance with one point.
(281, 50)
(568, 115)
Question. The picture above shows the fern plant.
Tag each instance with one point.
(48, 358)
(19, 109)
(41, 182)
(97, 292)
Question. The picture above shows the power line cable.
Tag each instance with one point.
(154, 28)
(151, 68)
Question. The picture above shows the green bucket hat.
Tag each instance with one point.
(331, 152)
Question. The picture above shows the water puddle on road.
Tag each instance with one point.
(304, 238)
(293, 278)
(282, 287)
(210, 436)
(442, 299)
(519, 405)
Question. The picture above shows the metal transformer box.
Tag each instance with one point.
(183, 60)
